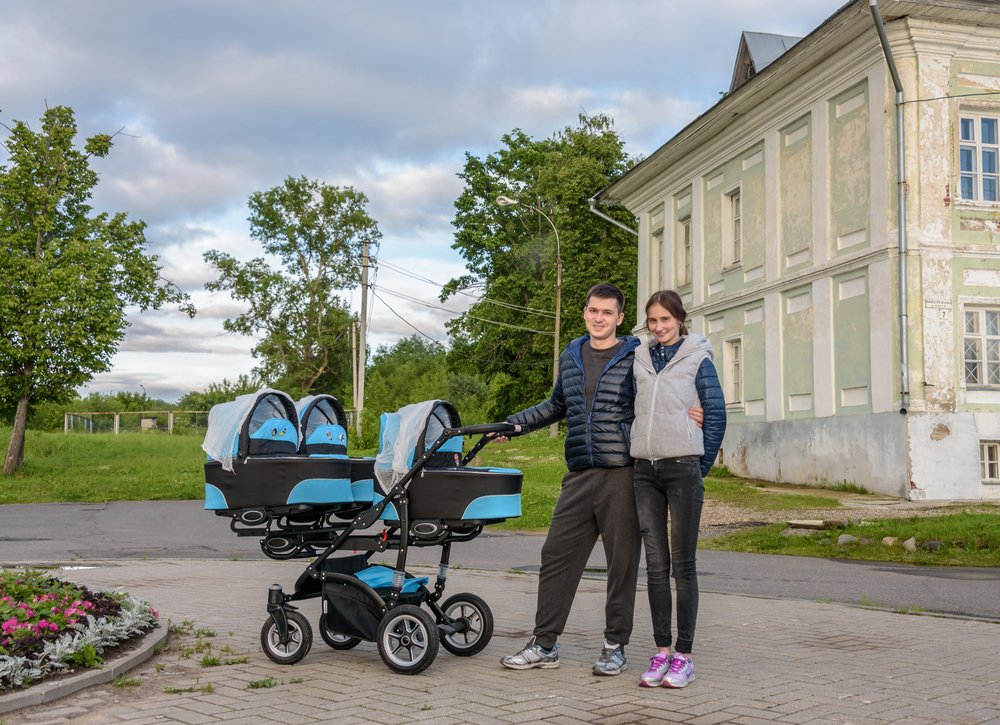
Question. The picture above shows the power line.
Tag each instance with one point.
(953, 95)
(471, 317)
(508, 305)
(379, 298)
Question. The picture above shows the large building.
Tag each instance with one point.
(858, 341)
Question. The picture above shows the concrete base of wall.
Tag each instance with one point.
(932, 456)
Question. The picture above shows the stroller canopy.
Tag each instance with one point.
(323, 424)
(261, 423)
(408, 433)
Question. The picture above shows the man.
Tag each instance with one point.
(594, 391)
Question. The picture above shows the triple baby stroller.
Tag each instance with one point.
(424, 494)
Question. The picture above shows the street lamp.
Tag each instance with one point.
(507, 201)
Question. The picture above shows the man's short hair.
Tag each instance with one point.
(607, 291)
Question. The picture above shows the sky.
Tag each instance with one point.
(218, 99)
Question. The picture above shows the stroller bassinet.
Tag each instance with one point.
(447, 493)
(324, 435)
(254, 470)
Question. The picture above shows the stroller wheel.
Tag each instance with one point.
(407, 639)
(475, 621)
(299, 639)
(335, 639)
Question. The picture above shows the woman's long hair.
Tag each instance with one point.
(671, 302)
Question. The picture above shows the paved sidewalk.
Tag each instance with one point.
(758, 660)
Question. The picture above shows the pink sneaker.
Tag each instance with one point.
(681, 672)
(658, 666)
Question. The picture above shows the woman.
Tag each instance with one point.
(672, 455)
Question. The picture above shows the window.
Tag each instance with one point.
(989, 459)
(982, 347)
(978, 154)
(684, 252)
(656, 246)
(733, 374)
(733, 212)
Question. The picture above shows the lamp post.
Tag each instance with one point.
(507, 201)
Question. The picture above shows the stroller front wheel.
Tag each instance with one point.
(336, 639)
(407, 639)
(474, 619)
(299, 639)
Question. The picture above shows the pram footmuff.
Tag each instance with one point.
(426, 495)
(255, 474)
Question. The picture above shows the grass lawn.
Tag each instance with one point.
(969, 538)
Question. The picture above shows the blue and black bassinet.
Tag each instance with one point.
(446, 493)
(254, 470)
(323, 424)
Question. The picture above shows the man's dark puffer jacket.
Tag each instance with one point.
(600, 439)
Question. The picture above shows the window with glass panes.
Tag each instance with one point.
(989, 459)
(982, 347)
(684, 252)
(979, 157)
(733, 375)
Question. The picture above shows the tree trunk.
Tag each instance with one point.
(15, 451)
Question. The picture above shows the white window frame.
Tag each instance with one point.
(981, 347)
(733, 364)
(684, 270)
(732, 216)
(989, 461)
(656, 228)
(976, 184)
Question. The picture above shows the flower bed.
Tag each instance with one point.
(48, 626)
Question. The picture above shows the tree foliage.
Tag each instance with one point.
(314, 232)
(411, 371)
(509, 252)
(66, 275)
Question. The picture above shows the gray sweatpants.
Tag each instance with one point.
(593, 502)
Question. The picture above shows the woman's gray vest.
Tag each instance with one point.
(662, 428)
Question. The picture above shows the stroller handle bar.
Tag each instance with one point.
(481, 428)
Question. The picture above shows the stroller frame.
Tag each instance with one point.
(407, 636)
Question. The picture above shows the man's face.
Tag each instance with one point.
(602, 318)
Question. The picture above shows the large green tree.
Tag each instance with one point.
(510, 254)
(67, 275)
(315, 232)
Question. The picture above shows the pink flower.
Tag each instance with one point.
(156, 614)
(9, 626)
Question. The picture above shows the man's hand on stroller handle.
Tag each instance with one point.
(499, 438)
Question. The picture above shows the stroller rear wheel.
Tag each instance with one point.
(407, 639)
(335, 639)
(299, 642)
(475, 621)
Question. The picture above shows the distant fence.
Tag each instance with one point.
(167, 421)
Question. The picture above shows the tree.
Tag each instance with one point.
(217, 393)
(315, 232)
(510, 254)
(66, 275)
(410, 371)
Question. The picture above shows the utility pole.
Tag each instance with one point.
(354, 365)
(363, 341)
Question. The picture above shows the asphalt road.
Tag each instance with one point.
(69, 532)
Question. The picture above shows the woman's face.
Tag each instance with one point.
(665, 327)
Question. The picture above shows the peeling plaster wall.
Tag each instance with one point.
(865, 450)
(944, 455)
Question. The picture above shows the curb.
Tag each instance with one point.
(43, 693)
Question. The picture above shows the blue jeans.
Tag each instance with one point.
(674, 485)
